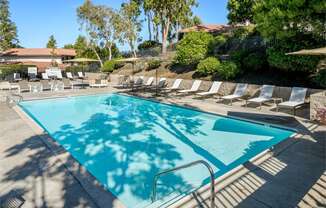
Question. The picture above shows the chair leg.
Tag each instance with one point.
(260, 106)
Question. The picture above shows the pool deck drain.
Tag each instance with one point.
(295, 176)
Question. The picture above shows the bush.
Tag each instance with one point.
(153, 64)
(320, 78)
(148, 44)
(228, 70)
(108, 66)
(6, 70)
(254, 62)
(208, 66)
(194, 47)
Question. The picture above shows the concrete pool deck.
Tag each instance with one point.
(293, 176)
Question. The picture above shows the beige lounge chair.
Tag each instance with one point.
(212, 91)
(5, 86)
(69, 75)
(297, 99)
(266, 93)
(45, 85)
(239, 92)
(99, 83)
(45, 76)
(24, 86)
(194, 88)
(67, 84)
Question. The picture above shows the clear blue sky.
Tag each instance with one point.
(36, 20)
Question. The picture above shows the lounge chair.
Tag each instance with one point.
(24, 86)
(297, 99)
(81, 75)
(238, 93)
(69, 75)
(175, 86)
(160, 85)
(67, 84)
(5, 86)
(99, 83)
(17, 77)
(266, 93)
(32, 77)
(59, 75)
(194, 88)
(123, 82)
(148, 84)
(212, 91)
(45, 85)
(45, 76)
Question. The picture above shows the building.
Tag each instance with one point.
(42, 58)
(214, 29)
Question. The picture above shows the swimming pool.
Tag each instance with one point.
(124, 141)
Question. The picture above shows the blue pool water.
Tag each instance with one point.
(124, 141)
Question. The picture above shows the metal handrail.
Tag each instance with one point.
(197, 162)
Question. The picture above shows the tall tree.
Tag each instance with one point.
(100, 23)
(130, 24)
(240, 11)
(8, 29)
(169, 13)
(52, 43)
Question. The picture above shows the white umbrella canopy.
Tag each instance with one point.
(310, 52)
(78, 60)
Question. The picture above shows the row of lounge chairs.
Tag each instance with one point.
(69, 75)
(297, 97)
(43, 85)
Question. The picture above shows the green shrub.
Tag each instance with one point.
(320, 78)
(228, 70)
(108, 66)
(6, 70)
(254, 62)
(147, 44)
(277, 58)
(243, 32)
(153, 64)
(208, 66)
(194, 47)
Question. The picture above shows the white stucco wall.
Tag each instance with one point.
(32, 59)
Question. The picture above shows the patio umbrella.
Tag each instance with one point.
(80, 60)
(310, 52)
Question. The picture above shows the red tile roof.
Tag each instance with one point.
(38, 52)
(207, 28)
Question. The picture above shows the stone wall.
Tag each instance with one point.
(318, 107)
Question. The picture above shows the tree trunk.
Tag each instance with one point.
(97, 55)
(149, 20)
(165, 32)
(110, 51)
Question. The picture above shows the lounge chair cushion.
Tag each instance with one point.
(290, 104)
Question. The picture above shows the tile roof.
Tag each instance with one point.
(206, 28)
(38, 52)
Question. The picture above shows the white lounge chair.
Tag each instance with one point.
(194, 88)
(69, 75)
(175, 86)
(212, 91)
(160, 85)
(297, 99)
(123, 81)
(45, 76)
(238, 93)
(148, 83)
(17, 77)
(80, 75)
(266, 93)
(59, 75)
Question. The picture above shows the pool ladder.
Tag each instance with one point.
(197, 162)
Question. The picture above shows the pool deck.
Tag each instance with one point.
(293, 174)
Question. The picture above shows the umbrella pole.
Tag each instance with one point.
(156, 82)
